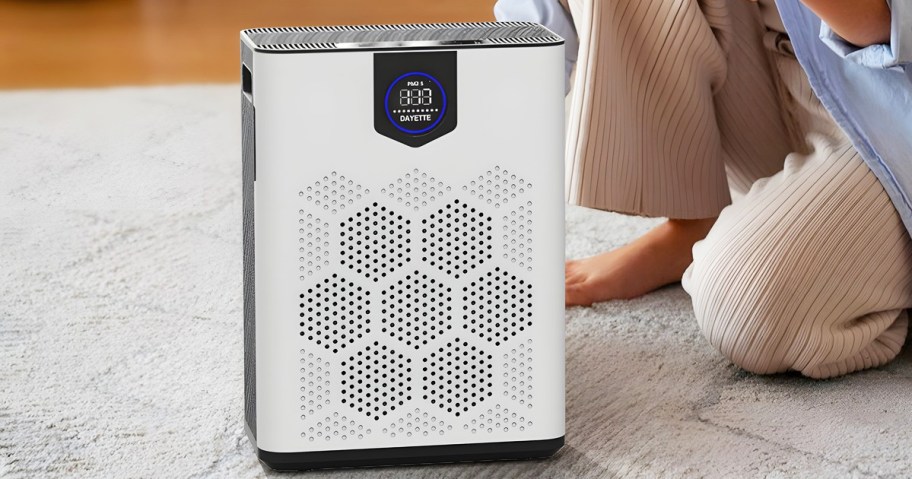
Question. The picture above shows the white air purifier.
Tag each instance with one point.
(403, 243)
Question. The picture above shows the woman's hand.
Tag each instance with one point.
(861, 22)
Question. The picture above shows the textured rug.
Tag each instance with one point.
(120, 325)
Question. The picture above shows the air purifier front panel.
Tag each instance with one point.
(404, 242)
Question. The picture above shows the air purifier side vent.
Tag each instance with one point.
(416, 309)
(456, 238)
(497, 306)
(376, 380)
(457, 377)
(334, 313)
(248, 172)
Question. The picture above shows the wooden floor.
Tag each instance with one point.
(75, 43)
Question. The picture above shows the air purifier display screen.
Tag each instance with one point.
(415, 95)
(415, 102)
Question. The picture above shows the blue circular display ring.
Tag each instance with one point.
(442, 108)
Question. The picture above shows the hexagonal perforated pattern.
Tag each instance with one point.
(315, 380)
(517, 237)
(498, 419)
(497, 306)
(417, 424)
(335, 426)
(415, 189)
(416, 309)
(333, 192)
(375, 241)
(461, 236)
(313, 244)
(334, 313)
(457, 377)
(496, 187)
(456, 238)
(376, 380)
(517, 374)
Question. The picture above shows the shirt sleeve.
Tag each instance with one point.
(551, 14)
(896, 54)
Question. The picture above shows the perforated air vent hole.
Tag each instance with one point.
(415, 189)
(313, 244)
(416, 309)
(417, 424)
(498, 419)
(497, 187)
(457, 377)
(376, 380)
(314, 384)
(375, 241)
(517, 237)
(456, 238)
(336, 426)
(517, 375)
(334, 313)
(497, 306)
(333, 192)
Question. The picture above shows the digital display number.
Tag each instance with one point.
(415, 96)
(415, 102)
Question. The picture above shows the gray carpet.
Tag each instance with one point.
(120, 325)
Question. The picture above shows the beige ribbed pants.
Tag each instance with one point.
(677, 102)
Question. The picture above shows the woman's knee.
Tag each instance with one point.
(744, 302)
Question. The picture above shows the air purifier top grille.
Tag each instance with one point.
(302, 39)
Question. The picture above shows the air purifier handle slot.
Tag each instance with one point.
(247, 82)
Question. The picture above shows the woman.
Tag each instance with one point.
(678, 102)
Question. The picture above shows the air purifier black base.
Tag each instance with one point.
(392, 456)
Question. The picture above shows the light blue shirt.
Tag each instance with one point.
(868, 91)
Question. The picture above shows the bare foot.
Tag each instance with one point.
(653, 260)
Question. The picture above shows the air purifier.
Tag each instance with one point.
(403, 243)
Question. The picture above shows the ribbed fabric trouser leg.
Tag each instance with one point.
(667, 95)
(812, 269)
